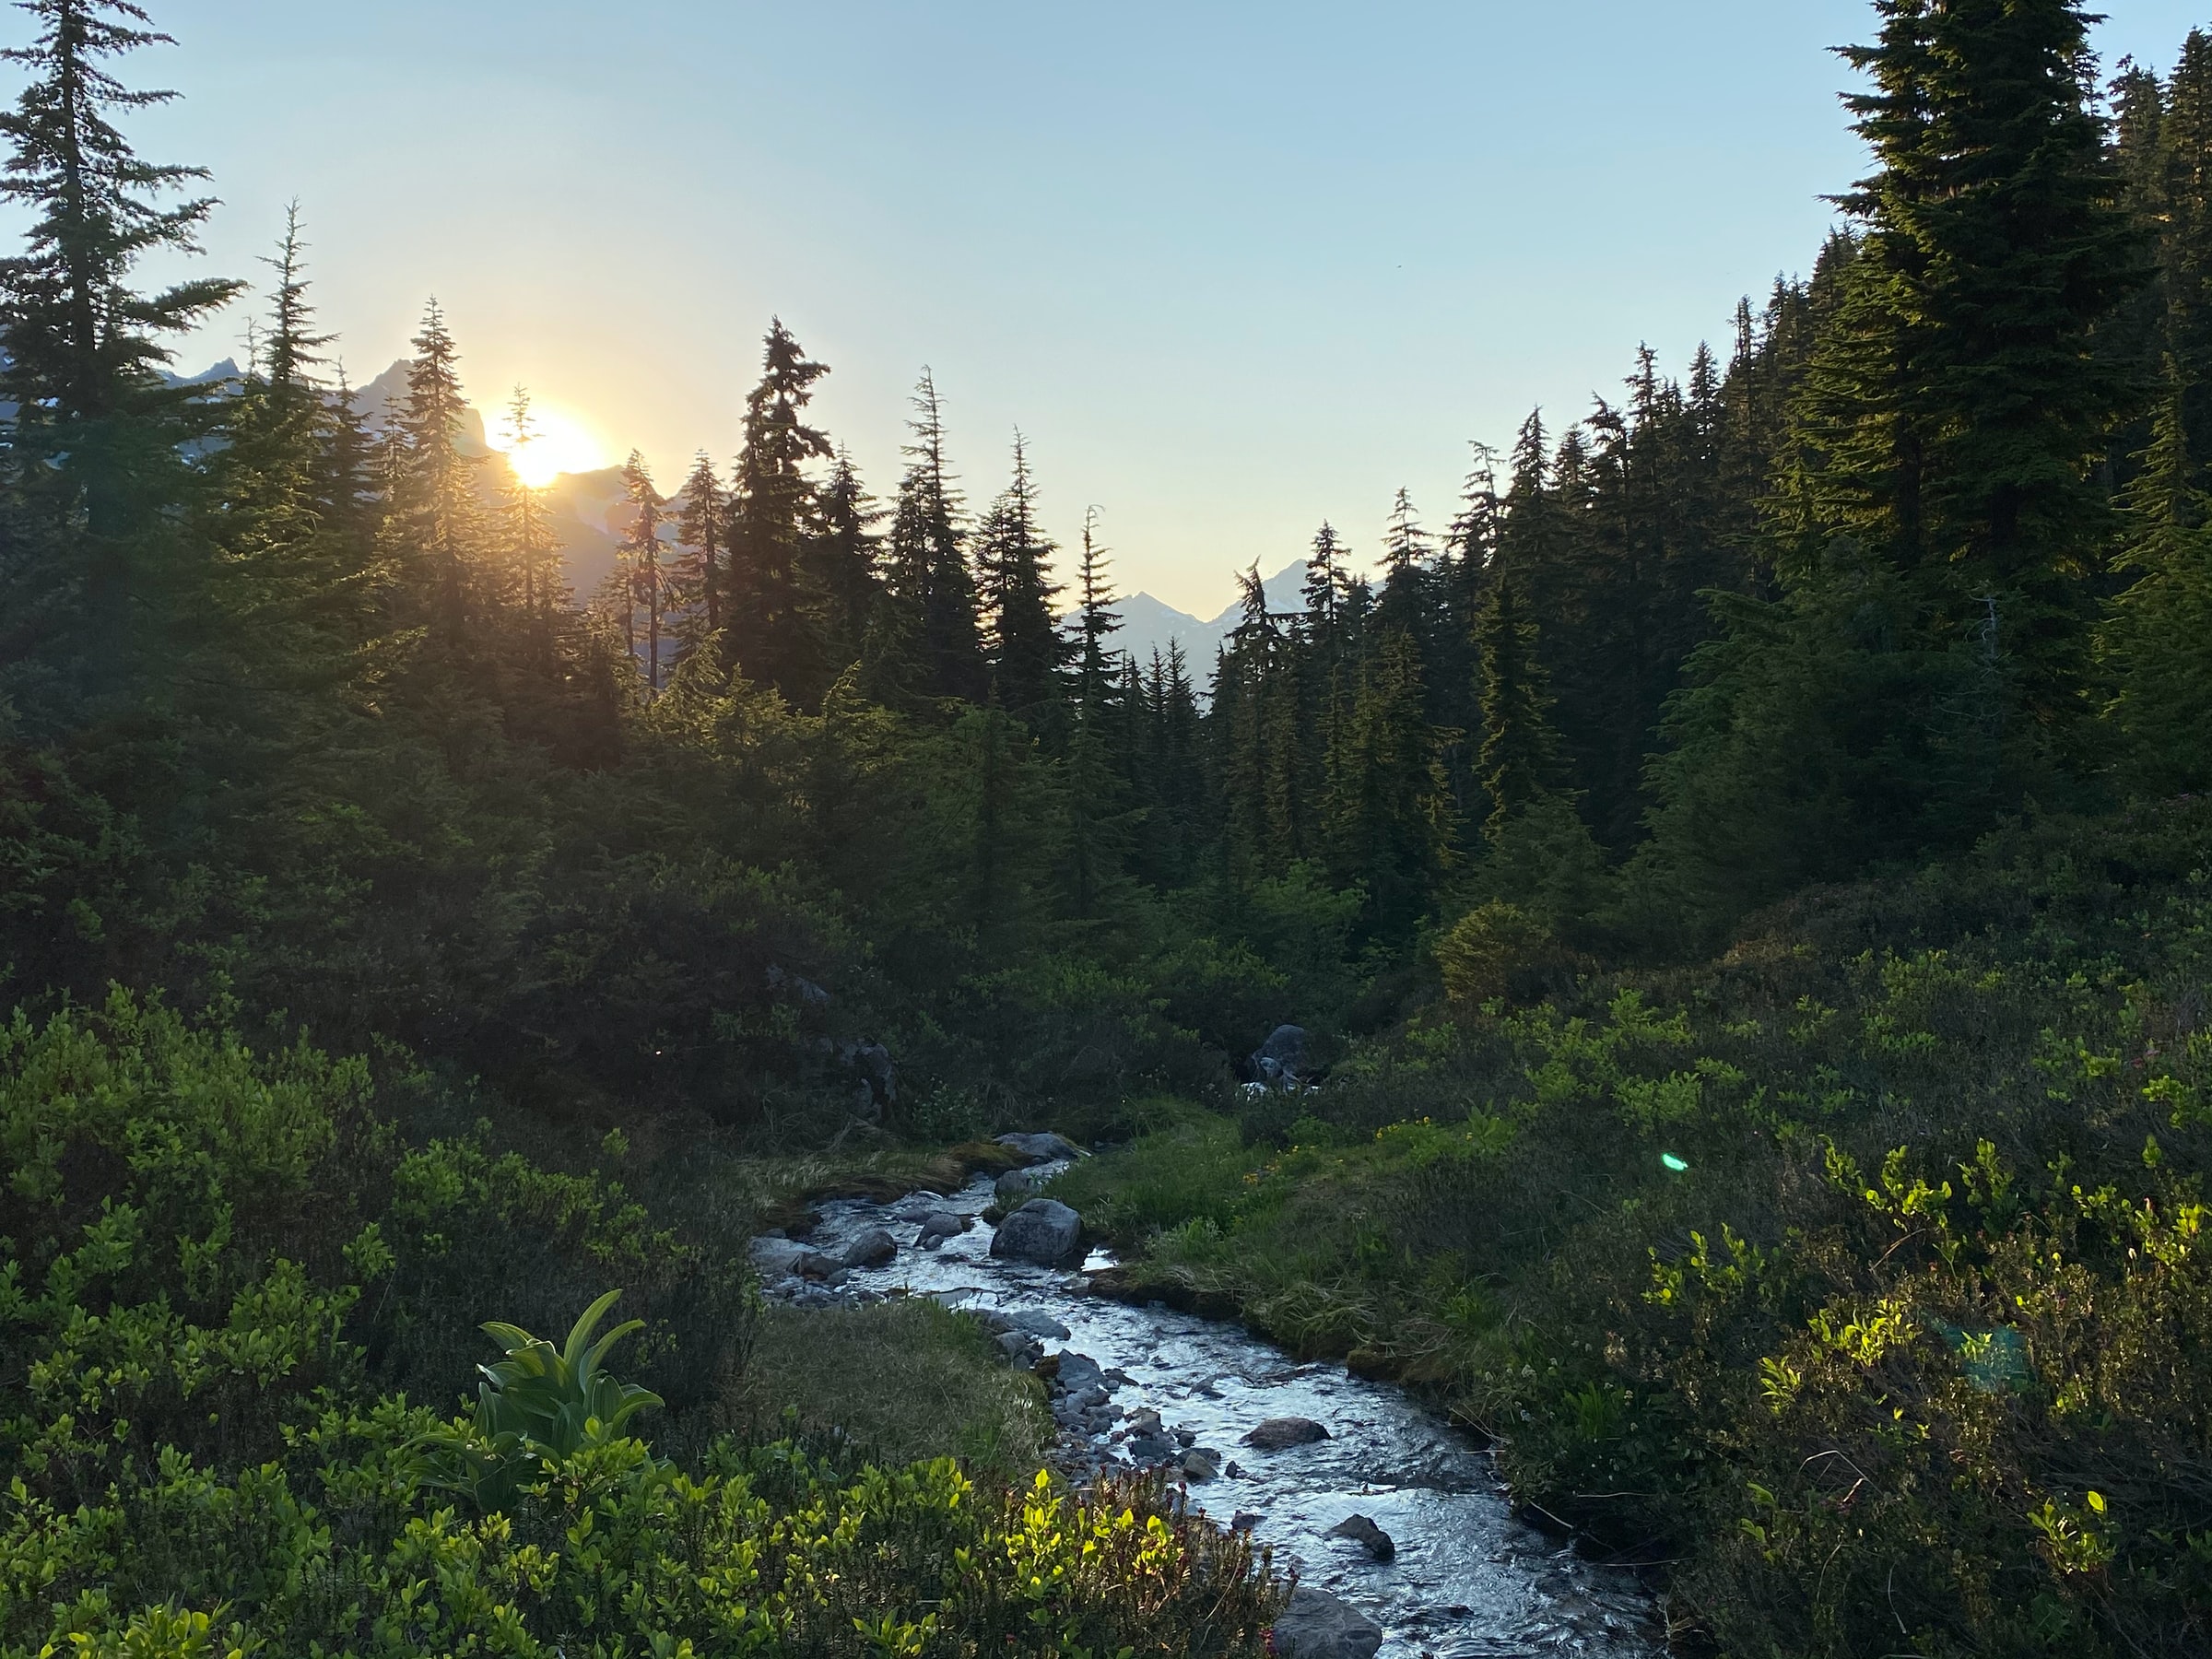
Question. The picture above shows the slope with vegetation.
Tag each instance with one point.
(1746, 871)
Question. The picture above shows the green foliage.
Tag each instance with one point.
(201, 1255)
(1846, 1267)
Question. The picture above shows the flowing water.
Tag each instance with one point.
(1469, 1580)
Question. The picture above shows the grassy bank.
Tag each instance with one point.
(1860, 1271)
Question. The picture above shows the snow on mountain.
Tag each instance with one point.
(1149, 624)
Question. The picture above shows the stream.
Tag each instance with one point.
(1468, 1580)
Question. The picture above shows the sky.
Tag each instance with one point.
(1233, 266)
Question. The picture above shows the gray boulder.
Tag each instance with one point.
(774, 1257)
(1038, 1323)
(1042, 1148)
(1045, 1232)
(938, 1227)
(874, 1248)
(1362, 1531)
(1279, 1434)
(1080, 1372)
(1018, 1184)
(1317, 1626)
(1281, 1062)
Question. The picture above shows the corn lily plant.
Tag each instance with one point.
(537, 1405)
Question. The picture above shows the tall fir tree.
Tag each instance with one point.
(436, 507)
(530, 554)
(94, 450)
(2159, 638)
(1014, 561)
(1956, 413)
(703, 529)
(1390, 829)
(926, 643)
(768, 633)
(1520, 754)
(843, 558)
(647, 574)
(1096, 620)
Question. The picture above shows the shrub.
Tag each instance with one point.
(1497, 952)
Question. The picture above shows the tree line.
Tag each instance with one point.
(298, 708)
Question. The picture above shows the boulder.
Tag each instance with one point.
(1362, 1531)
(1018, 1184)
(1201, 1464)
(1037, 1323)
(939, 1226)
(1279, 1434)
(1317, 1626)
(1075, 1372)
(874, 1248)
(1045, 1232)
(1281, 1062)
(1042, 1148)
(773, 1257)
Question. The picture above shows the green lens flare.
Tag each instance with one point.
(1671, 1162)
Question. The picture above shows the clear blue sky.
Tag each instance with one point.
(1233, 266)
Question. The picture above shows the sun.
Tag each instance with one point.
(558, 443)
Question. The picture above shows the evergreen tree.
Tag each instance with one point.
(1014, 558)
(1519, 750)
(1096, 620)
(1404, 601)
(842, 555)
(702, 529)
(1171, 759)
(94, 442)
(1955, 412)
(1392, 831)
(531, 555)
(925, 643)
(641, 555)
(2159, 639)
(769, 636)
(83, 345)
(435, 501)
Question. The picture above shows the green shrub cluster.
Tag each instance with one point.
(215, 1264)
(1860, 1271)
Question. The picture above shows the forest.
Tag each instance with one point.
(1745, 872)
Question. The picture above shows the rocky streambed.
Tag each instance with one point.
(1394, 1521)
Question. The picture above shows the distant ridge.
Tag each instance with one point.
(1149, 624)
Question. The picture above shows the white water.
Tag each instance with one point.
(1469, 1581)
